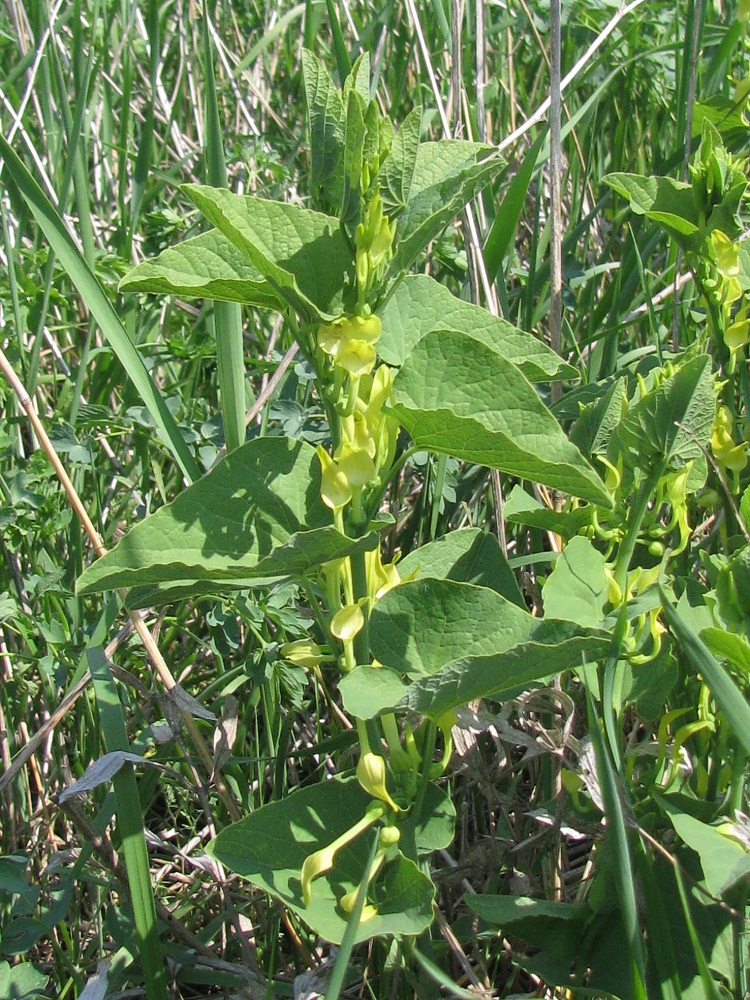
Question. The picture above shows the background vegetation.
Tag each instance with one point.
(105, 103)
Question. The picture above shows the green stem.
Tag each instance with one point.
(637, 513)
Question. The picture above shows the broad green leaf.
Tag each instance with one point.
(208, 266)
(723, 860)
(325, 111)
(367, 690)
(522, 508)
(598, 421)
(447, 175)
(420, 304)
(471, 640)
(269, 847)
(458, 397)
(661, 199)
(569, 942)
(257, 514)
(435, 827)
(553, 647)
(302, 253)
(420, 626)
(396, 174)
(469, 555)
(671, 425)
(576, 589)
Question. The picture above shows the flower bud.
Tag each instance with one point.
(303, 653)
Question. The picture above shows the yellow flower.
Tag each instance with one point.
(348, 622)
(335, 488)
(355, 464)
(728, 454)
(303, 653)
(322, 861)
(380, 578)
(727, 254)
(738, 334)
(371, 774)
(356, 356)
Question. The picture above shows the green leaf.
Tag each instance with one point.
(208, 266)
(522, 508)
(256, 515)
(560, 934)
(354, 143)
(420, 304)
(730, 646)
(22, 982)
(672, 423)
(723, 860)
(269, 847)
(745, 508)
(598, 421)
(456, 396)
(447, 175)
(501, 235)
(553, 647)
(367, 691)
(397, 173)
(726, 694)
(435, 827)
(468, 555)
(325, 110)
(576, 589)
(472, 642)
(302, 253)
(420, 626)
(670, 203)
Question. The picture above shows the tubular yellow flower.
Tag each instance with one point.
(322, 861)
(727, 254)
(728, 454)
(380, 578)
(303, 653)
(335, 488)
(371, 774)
(356, 356)
(348, 622)
(355, 464)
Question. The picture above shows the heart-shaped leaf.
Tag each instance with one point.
(303, 254)
(256, 516)
(208, 266)
(459, 397)
(270, 846)
(420, 304)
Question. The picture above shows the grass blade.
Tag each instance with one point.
(624, 873)
(726, 694)
(100, 308)
(503, 228)
(130, 823)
